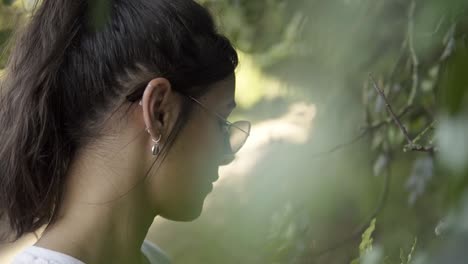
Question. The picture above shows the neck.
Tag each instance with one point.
(103, 217)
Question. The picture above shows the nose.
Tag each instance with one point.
(227, 159)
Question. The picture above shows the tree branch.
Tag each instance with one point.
(424, 132)
(390, 110)
(412, 146)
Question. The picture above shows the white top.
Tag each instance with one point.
(39, 255)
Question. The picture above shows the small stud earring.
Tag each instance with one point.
(141, 103)
(156, 148)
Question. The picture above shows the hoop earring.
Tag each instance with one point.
(156, 147)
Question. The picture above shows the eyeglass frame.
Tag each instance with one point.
(133, 98)
(226, 122)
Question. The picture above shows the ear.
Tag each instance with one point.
(161, 107)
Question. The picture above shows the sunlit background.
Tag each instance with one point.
(327, 176)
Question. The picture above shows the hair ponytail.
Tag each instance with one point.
(35, 150)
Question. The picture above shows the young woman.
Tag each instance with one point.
(111, 120)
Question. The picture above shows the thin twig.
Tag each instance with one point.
(438, 26)
(398, 60)
(390, 110)
(342, 145)
(390, 119)
(415, 147)
(424, 132)
(412, 146)
(449, 42)
(364, 131)
(414, 57)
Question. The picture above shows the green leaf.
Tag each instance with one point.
(407, 260)
(410, 255)
(366, 243)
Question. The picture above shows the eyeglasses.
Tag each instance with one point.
(237, 132)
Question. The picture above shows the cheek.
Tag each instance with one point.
(206, 142)
(209, 149)
(190, 167)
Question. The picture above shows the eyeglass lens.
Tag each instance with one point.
(238, 133)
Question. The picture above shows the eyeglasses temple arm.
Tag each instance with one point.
(216, 114)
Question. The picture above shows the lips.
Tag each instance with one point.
(212, 181)
(213, 175)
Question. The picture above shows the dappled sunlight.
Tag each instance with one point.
(294, 127)
(252, 85)
(232, 198)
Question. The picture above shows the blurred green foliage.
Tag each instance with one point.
(322, 52)
(8, 2)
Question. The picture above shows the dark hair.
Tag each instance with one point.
(67, 70)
